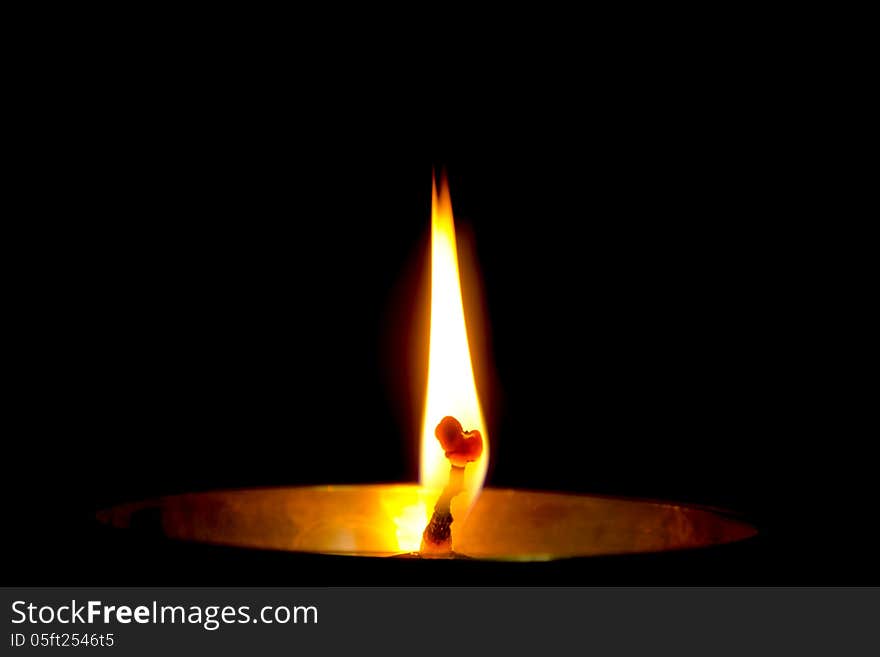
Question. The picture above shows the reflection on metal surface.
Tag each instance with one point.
(506, 525)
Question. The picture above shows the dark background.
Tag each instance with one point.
(222, 288)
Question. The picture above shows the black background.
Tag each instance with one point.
(222, 286)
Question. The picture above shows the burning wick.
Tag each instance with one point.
(461, 447)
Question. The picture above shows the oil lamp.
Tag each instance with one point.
(386, 520)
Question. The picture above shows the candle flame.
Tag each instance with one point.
(452, 389)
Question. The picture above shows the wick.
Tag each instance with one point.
(461, 447)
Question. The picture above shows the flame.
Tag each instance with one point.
(451, 386)
(451, 390)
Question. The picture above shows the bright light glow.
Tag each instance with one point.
(409, 525)
(451, 386)
(451, 389)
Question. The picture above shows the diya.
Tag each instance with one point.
(449, 514)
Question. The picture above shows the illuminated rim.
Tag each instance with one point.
(504, 525)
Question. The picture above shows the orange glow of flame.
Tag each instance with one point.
(451, 390)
